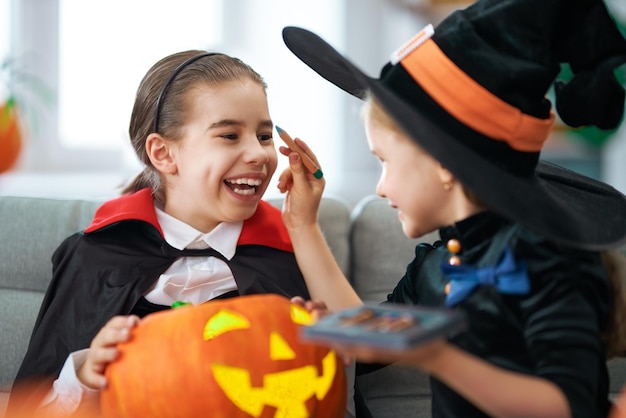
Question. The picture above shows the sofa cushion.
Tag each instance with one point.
(18, 310)
(334, 217)
(396, 391)
(33, 228)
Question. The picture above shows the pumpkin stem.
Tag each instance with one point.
(179, 303)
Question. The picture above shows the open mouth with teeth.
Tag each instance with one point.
(244, 186)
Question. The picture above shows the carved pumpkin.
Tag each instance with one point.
(10, 135)
(239, 357)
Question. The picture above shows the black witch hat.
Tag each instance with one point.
(472, 93)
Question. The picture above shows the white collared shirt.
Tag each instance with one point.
(195, 279)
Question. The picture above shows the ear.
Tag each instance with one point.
(160, 152)
(445, 175)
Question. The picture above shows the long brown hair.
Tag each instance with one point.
(210, 70)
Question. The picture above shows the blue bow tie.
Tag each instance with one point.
(507, 276)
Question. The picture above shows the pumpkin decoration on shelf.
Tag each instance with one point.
(10, 135)
(239, 357)
(23, 94)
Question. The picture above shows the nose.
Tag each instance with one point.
(380, 186)
(257, 152)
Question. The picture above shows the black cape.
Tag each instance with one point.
(104, 271)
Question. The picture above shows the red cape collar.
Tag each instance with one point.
(265, 227)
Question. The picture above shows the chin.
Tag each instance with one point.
(239, 214)
(413, 231)
(408, 230)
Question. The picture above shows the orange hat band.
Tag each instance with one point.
(472, 104)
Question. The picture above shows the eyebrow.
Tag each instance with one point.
(232, 122)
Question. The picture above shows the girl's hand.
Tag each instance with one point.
(304, 191)
(425, 356)
(103, 350)
(317, 308)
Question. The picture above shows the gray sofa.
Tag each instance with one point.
(366, 240)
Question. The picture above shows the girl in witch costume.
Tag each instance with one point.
(458, 118)
(191, 227)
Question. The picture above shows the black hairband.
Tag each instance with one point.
(160, 99)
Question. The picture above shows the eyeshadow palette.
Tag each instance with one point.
(386, 325)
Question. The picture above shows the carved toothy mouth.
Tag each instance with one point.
(286, 391)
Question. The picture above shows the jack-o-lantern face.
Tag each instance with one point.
(239, 357)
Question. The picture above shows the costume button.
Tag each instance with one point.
(454, 261)
(454, 246)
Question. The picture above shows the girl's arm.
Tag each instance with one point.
(82, 375)
(323, 276)
(497, 391)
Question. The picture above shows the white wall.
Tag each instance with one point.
(365, 30)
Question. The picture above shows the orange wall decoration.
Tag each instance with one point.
(10, 136)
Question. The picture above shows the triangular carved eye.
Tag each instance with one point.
(224, 321)
(279, 348)
(301, 316)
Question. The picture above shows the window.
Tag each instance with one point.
(94, 54)
(5, 13)
(105, 48)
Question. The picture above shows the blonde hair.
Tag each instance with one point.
(374, 110)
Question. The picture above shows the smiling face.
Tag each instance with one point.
(411, 179)
(221, 166)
